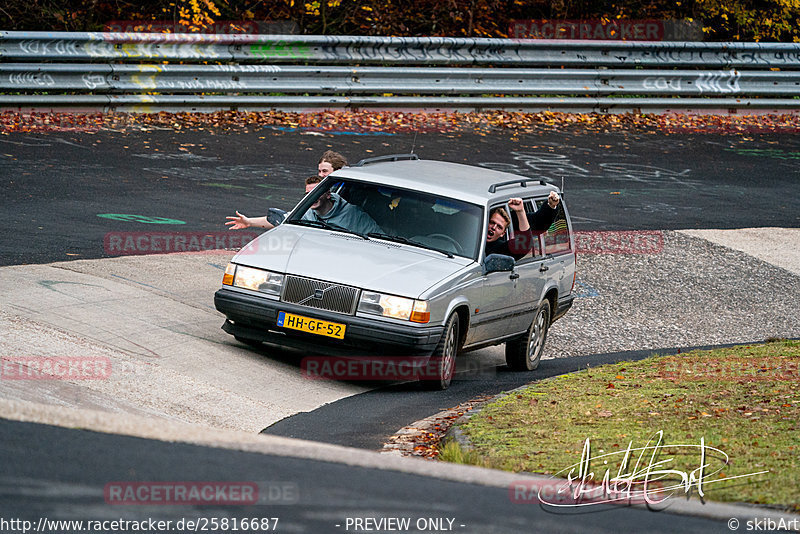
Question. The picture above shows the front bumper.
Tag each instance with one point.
(253, 317)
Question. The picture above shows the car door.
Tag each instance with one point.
(532, 270)
(559, 252)
(490, 314)
(490, 320)
(509, 299)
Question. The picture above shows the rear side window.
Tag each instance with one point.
(512, 232)
(556, 238)
(530, 209)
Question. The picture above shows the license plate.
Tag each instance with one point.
(312, 326)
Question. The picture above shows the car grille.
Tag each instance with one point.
(320, 295)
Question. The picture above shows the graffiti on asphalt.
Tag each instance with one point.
(139, 218)
(647, 174)
(290, 175)
(178, 156)
(775, 153)
(552, 167)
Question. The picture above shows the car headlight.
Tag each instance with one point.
(227, 278)
(393, 306)
(258, 280)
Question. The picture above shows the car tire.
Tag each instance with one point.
(442, 363)
(525, 353)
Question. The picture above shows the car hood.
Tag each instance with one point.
(350, 260)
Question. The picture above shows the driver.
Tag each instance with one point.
(329, 162)
(332, 209)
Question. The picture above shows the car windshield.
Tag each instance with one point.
(380, 212)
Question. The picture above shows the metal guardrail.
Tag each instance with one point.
(396, 50)
(151, 72)
(362, 80)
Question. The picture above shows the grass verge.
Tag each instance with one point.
(743, 401)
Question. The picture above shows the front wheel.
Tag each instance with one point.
(524, 354)
(442, 363)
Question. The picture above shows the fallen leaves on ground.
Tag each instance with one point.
(394, 121)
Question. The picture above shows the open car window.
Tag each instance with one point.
(535, 246)
(509, 231)
(556, 238)
(530, 209)
(445, 224)
(512, 232)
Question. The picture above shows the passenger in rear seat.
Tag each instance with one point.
(496, 242)
(525, 227)
(329, 162)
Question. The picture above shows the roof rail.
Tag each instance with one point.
(522, 182)
(390, 157)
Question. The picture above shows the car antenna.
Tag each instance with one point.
(413, 143)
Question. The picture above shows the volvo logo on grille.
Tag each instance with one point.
(320, 294)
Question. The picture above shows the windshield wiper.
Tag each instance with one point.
(406, 241)
(387, 237)
(327, 226)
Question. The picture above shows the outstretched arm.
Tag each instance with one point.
(518, 208)
(544, 217)
(523, 238)
(240, 222)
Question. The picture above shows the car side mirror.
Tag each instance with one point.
(276, 216)
(498, 262)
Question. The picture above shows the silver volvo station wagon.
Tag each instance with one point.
(398, 266)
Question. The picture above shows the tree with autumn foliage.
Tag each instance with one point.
(735, 20)
(197, 14)
(722, 20)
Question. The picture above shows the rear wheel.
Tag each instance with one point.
(442, 364)
(525, 353)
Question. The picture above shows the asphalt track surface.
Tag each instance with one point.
(55, 185)
(322, 494)
(366, 420)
